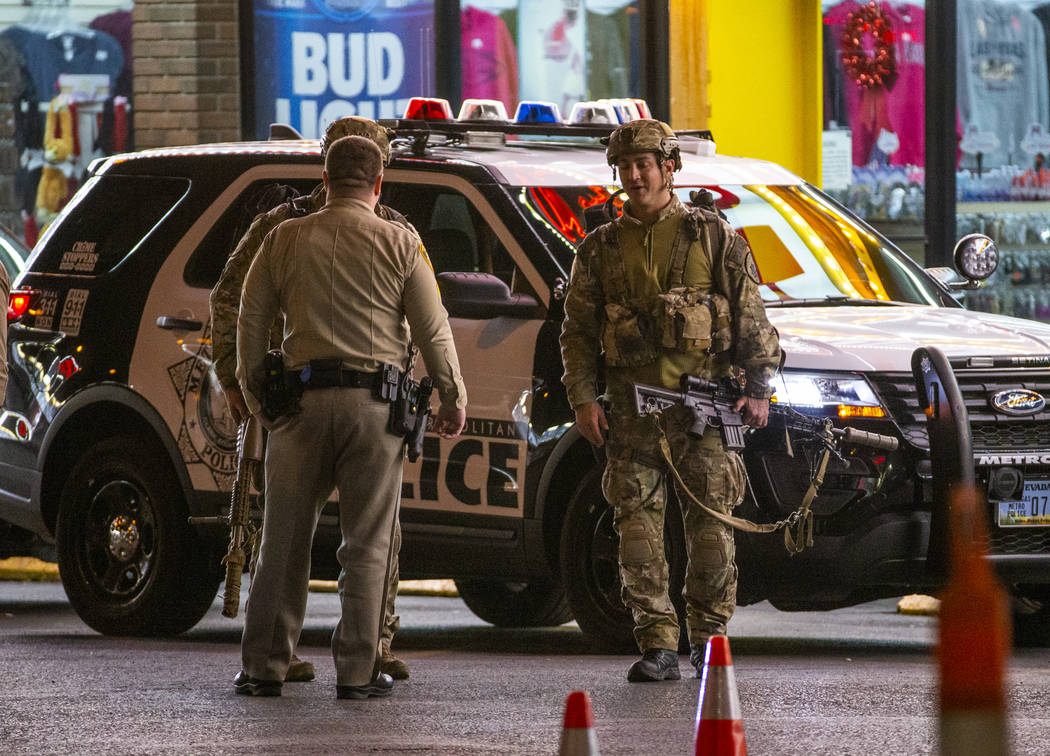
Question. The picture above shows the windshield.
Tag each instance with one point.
(808, 250)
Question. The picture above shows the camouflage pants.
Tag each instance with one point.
(635, 484)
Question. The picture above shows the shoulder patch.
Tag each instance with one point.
(750, 268)
(739, 257)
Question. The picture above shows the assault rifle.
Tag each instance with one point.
(242, 529)
(713, 404)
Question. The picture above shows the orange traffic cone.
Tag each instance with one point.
(974, 639)
(719, 729)
(577, 736)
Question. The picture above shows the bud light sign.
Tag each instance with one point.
(319, 60)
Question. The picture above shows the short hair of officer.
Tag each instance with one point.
(353, 162)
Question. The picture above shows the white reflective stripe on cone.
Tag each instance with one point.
(578, 741)
(718, 697)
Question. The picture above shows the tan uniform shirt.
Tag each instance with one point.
(345, 281)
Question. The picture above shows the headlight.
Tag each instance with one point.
(827, 395)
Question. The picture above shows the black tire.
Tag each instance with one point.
(536, 603)
(591, 572)
(1031, 614)
(129, 561)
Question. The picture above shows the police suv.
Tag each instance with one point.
(115, 432)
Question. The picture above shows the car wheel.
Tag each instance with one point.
(590, 566)
(129, 561)
(1031, 614)
(535, 603)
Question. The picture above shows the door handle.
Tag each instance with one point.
(169, 323)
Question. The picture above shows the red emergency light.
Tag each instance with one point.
(429, 109)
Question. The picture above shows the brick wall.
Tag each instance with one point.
(187, 72)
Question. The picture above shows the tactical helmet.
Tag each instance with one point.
(358, 126)
(643, 135)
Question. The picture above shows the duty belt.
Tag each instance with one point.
(312, 377)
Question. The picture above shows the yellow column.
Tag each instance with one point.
(688, 49)
(751, 71)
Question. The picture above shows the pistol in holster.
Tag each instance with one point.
(280, 394)
(409, 407)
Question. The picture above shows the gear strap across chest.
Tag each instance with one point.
(688, 233)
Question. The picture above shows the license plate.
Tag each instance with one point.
(1033, 510)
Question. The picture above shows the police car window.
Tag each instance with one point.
(105, 221)
(804, 245)
(207, 261)
(456, 237)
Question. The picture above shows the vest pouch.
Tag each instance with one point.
(694, 321)
(627, 338)
(721, 326)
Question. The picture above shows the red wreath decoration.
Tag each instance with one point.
(881, 68)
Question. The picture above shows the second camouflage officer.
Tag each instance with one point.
(350, 286)
(225, 304)
(661, 291)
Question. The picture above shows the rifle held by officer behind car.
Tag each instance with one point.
(713, 404)
(249, 459)
(242, 528)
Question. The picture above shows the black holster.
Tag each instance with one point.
(280, 394)
(409, 407)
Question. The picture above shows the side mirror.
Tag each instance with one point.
(482, 296)
(976, 258)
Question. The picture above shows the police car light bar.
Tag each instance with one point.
(428, 108)
(537, 111)
(592, 112)
(483, 110)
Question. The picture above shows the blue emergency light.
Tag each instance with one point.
(535, 111)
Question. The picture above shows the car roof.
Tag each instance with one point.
(521, 161)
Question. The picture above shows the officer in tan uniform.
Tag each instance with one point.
(225, 303)
(349, 285)
(664, 290)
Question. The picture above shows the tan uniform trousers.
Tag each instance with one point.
(337, 441)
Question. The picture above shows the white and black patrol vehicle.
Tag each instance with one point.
(114, 431)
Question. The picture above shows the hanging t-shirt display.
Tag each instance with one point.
(552, 52)
(1002, 81)
(490, 59)
(880, 52)
(49, 54)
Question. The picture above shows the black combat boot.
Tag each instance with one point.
(656, 664)
(697, 654)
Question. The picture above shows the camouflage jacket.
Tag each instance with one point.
(225, 298)
(629, 266)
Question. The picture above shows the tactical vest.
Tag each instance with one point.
(683, 318)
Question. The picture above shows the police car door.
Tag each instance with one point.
(483, 471)
(172, 361)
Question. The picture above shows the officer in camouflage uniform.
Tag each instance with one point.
(664, 290)
(225, 305)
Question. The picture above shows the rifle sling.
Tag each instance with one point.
(801, 520)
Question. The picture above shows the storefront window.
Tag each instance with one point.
(65, 99)
(1002, 183)
(562, 51)
(874, 114)
(319, 60)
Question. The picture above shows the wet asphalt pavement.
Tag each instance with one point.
(852, 681)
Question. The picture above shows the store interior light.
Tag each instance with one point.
(483, 110)
(428, 108)
(536, 111)
(588, 112)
